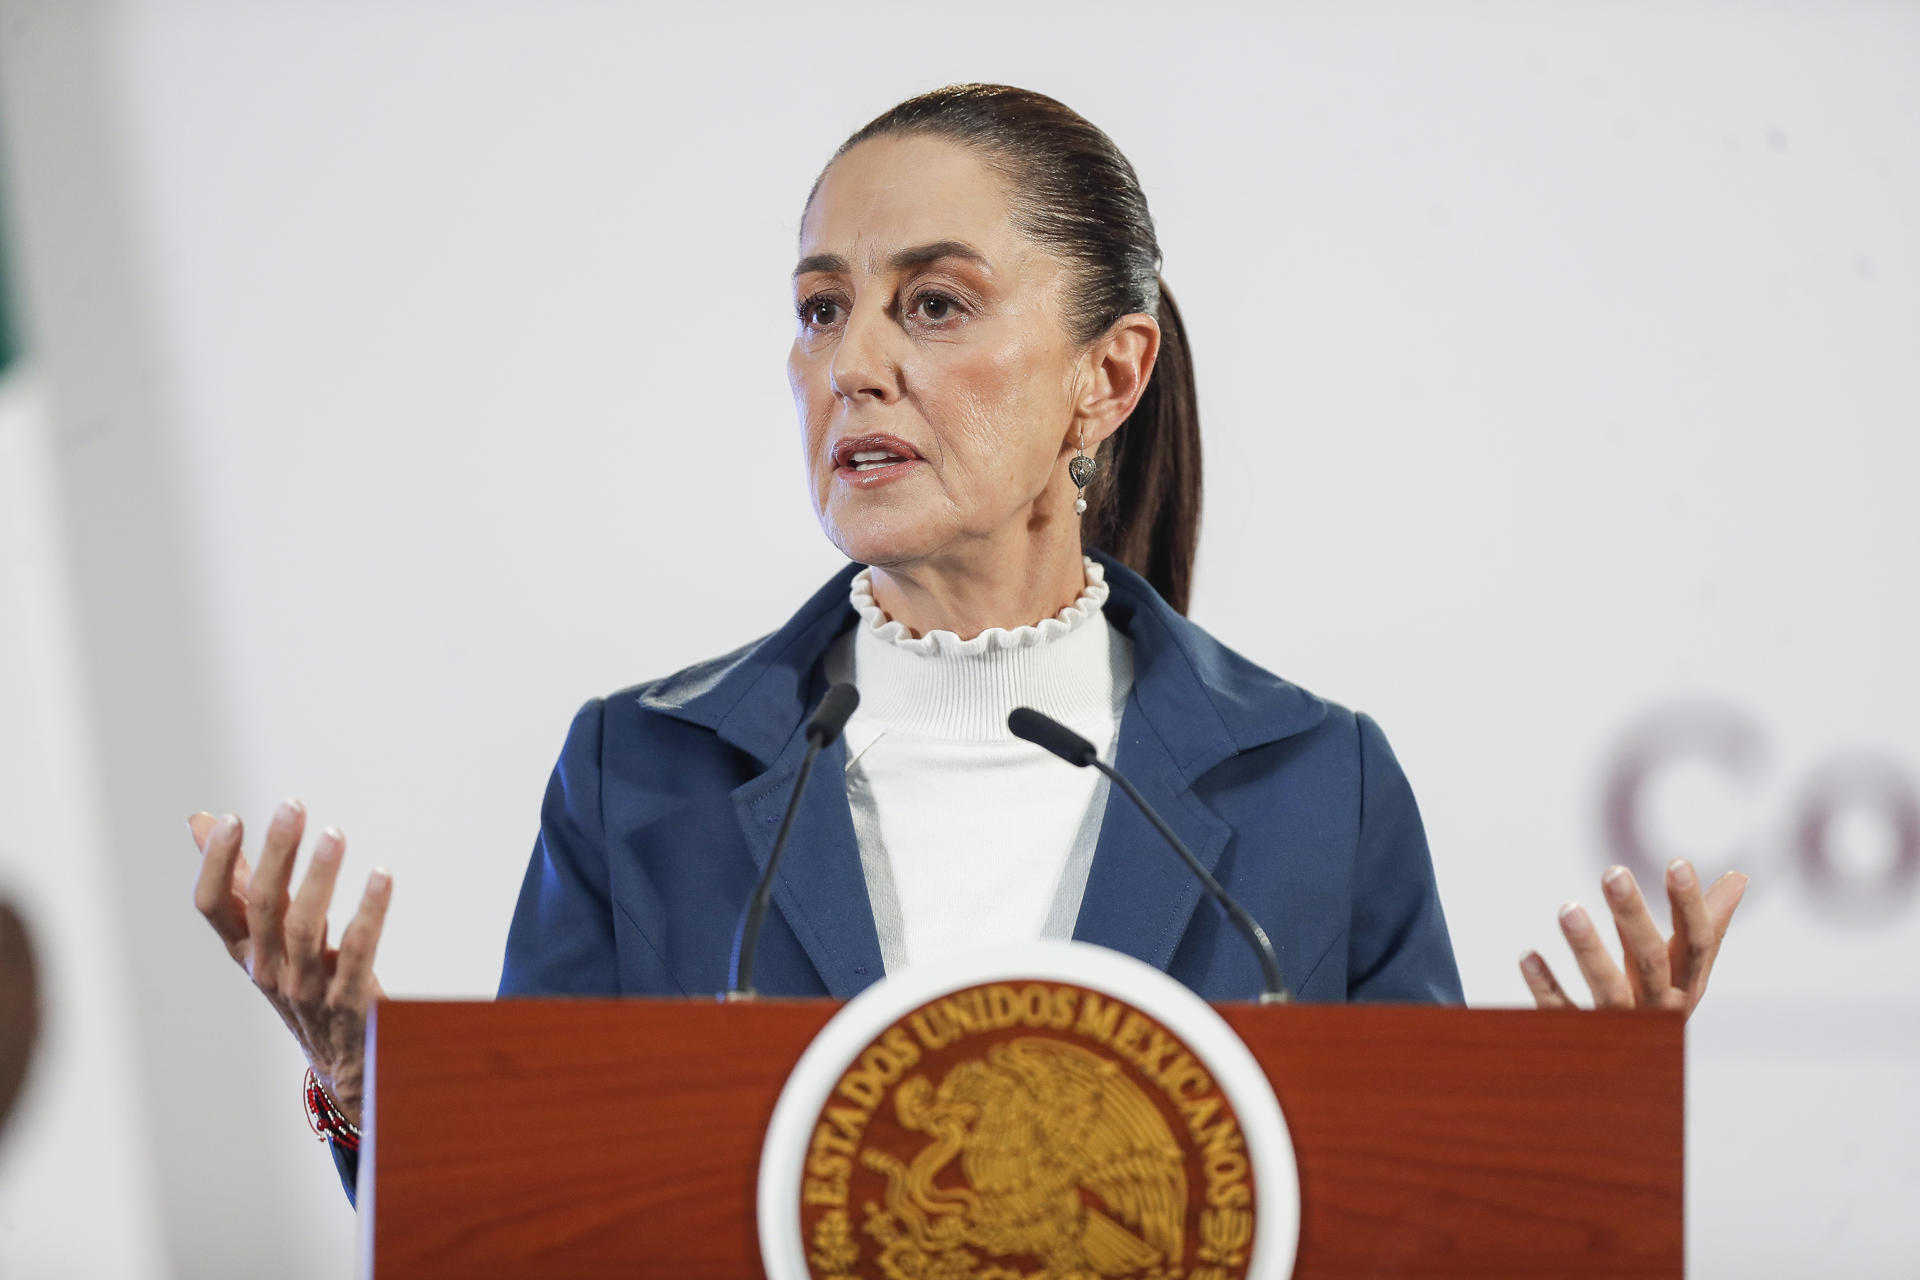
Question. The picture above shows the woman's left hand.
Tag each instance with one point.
(1662, 973)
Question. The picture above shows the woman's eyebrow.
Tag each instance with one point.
(917, 256)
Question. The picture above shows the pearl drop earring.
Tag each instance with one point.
(1080, 469)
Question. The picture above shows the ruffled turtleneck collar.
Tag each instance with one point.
(942, 686)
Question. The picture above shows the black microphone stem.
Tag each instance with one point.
(1276, 992)
(742, 988)
(822, 728)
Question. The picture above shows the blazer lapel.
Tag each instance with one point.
(1194, 704)
(819, 888)
(1140, 895)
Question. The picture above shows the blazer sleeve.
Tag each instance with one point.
(348, 1163)
(561, 941)
(1398, 947)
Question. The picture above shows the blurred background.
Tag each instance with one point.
(386, 378)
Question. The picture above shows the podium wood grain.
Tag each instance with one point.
(606, 1138)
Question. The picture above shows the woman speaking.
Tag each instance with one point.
(997, 413)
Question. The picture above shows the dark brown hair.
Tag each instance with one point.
(1074, 193)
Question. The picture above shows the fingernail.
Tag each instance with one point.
(379, 880)
(328, 845)
(1530, 964)
(288, 810)
(1680, 874)
(224, 828)
(1573, 918)
(1619, 883)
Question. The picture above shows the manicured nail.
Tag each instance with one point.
(1680, 874)
(379, 880)
(288, 810)
(328, 845)
(1573, 919)
(224, 829)
(1530, 964)
(1619, 883)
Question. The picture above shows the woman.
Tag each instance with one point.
(998, 418)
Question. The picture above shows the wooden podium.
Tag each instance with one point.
(603, 1138)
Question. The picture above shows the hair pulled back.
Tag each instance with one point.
(1074, 193)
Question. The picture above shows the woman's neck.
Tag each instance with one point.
(971, 594)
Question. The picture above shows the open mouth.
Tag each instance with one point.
(871, 460)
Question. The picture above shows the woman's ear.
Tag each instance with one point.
(1115, 371)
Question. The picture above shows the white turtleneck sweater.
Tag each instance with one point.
(968, 835)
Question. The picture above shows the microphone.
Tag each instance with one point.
(823, 726)
(1077, 751)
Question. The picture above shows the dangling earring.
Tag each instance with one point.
(1081, 470)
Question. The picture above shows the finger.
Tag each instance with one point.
(306, 924)
(213, 892)
(1609, 986)
(1643, 945)
(331, 960)
(353, 981)
(1720, 902)
(202, 825)
(1547, 993)
(1723, 899)
(267, 893)
(1690, 953)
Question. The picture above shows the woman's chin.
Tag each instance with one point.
(881, 541)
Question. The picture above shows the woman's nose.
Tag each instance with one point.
(863, 362)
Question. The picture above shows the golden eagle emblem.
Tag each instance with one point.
(1062, 1159)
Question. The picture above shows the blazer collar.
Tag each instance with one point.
(756, 697)
(1205, 701)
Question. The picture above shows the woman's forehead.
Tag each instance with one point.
(889, 197)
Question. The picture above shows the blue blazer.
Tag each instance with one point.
(662, 810)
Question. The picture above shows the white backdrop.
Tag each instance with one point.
(368, 330)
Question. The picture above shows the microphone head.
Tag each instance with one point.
(1051, 734)
(830, 717)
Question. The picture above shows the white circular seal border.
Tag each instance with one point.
(1276, 1176)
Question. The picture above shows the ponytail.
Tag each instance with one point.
(1144, 507)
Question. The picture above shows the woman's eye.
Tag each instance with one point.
(936, 306)
(817, 311)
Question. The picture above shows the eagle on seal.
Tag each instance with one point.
(1064, 1159)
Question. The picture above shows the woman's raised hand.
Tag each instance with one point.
(321, 992)
(1661, 973)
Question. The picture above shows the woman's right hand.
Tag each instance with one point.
(320, 992)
